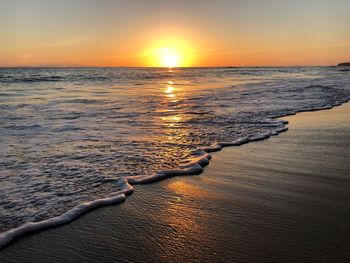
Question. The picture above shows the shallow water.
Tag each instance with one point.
(285, 199)
(68, 135)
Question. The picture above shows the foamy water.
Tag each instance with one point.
(72, 139)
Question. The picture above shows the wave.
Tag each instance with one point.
(31, 79)
(24, 127)
(66, 217)
(67, 128)
(125, 184)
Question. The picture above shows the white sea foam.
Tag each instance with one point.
(68, 216)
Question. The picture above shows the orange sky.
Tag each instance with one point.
(201, 33)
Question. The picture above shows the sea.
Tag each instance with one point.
(69, 136)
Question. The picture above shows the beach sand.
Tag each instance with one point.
(286, 199)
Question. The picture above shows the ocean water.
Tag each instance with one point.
(68, 136)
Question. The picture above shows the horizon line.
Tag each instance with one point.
(252, 66)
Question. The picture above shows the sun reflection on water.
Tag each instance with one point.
(169, 92)
(172, 119)
(169, 89)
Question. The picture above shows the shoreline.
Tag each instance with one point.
(105, 228)
(194, 167)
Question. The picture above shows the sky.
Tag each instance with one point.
(174, 33)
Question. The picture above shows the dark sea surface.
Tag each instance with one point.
(68, 135)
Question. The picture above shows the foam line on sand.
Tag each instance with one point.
(194, 167)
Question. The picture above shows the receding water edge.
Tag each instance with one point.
(194, 167)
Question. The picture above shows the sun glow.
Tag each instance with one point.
(170, 60)
(168, 57)
(170, 54)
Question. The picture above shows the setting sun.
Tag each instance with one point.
(169, 54)
(170, 59)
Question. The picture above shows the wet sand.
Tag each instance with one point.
(286, 199)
